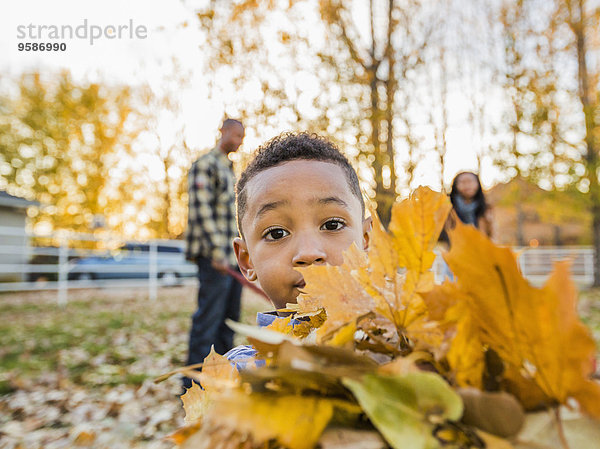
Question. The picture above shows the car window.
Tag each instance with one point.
(169, 249)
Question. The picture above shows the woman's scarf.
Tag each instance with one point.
(466, 211)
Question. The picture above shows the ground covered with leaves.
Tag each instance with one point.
(82, 375)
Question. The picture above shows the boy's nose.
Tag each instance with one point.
(308, 254)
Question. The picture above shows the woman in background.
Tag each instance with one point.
(469, 205)
(468, 201)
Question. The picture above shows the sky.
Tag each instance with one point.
(139, 60)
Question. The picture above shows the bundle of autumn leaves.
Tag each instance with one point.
(376, 355)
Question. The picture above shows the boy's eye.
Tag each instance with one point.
(275, 234)
(334, 224)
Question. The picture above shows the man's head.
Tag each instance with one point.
(232, 135)
(298, 203)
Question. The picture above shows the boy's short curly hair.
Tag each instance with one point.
(290, 147)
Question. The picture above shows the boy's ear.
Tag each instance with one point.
(243, 258)
(367, 226)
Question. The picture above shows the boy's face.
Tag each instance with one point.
(298, 213)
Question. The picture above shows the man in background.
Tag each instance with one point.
(210, 231)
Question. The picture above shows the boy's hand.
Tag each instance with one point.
(220, 265)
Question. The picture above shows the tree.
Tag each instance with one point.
(585, 26)
(165, 148)
(61, 142)
(549, 77)
(440, 123)
(340, 78)
(544, 144)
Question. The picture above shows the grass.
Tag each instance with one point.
(40, 337)
(101, 342)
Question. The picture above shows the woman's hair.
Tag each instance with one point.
(479, 198)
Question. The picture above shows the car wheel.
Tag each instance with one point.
(40, 278)
(84, 277)
(168, 278)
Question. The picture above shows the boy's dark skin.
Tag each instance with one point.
(298, 213)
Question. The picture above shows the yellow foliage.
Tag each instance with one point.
(281, 325)
(194, 403)
(383, 323)
(535, 331)
(295, 421)
(390, 278)
(218, 373)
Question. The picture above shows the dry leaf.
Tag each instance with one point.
(536, 331)
(281, 325)
(416, 225)
(218, 373)
(374, 282)
(296, 422)
(344, 438)
(194, 403)
(498, 413)
(336, 290)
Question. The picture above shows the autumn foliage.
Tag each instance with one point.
(375, 354)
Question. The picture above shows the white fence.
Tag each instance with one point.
(536, 263)
(161, 262)
(66, 265)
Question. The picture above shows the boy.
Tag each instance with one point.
(298, 203)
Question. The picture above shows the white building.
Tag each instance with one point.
(13, 240)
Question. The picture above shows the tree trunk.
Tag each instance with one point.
(586, 96)
(520, 222)
(390, 89)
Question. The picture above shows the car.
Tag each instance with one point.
(132, 261)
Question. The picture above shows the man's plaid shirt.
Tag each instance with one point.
(211, 214)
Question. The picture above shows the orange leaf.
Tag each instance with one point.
(335, 289)
(449, 306)
(536, 331)
(375, 281)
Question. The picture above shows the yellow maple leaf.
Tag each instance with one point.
(296, 422)
(194, 403)
(466, 354)
(416, 225)
(281, 325)
(447, 305)
(390, 277)
(335, 289)
(218, 373)
(536, 331)
(413, 232)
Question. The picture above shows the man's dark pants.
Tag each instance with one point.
(218, 299)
